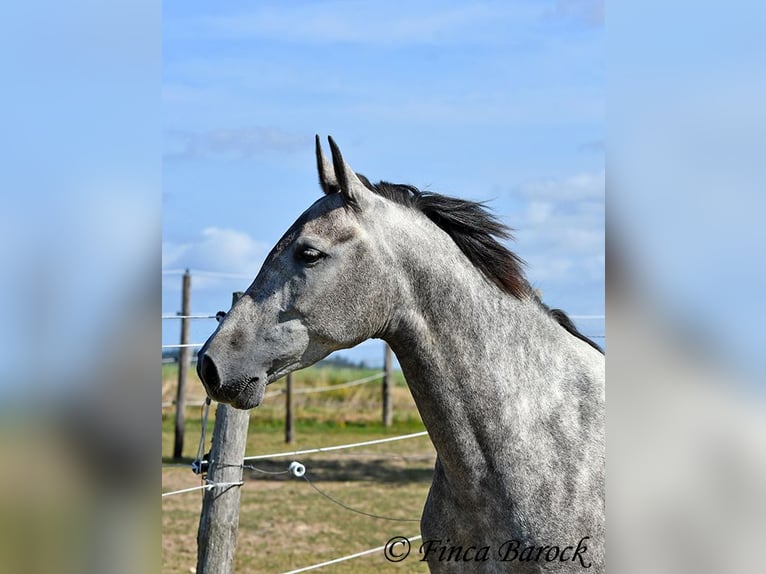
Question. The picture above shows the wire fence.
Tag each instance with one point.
(298, 391)
(201, 273)
(334, 448)
(298, 470)
(207, 486)
(293, 453)
(383, 548)
(310, 390)
(179, 316)
(182, 345)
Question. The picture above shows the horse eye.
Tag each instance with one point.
(309, 254)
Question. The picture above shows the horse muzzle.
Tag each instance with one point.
(241, 392)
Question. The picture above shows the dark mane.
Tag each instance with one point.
(564, 320)
(474, 229)
(476, 232)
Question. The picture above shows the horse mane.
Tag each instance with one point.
(471, 226)
(476, 231)
(564, 320)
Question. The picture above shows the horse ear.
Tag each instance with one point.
(352, 188)
(327, 179)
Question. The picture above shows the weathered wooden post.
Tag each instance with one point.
(387, 411)
(183, 366)
(219, 519)
(289, 422)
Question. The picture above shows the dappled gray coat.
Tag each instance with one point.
(511, 394)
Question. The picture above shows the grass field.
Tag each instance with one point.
(284, 523)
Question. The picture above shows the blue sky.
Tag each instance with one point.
(499, 101)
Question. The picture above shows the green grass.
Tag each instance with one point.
(284, 523)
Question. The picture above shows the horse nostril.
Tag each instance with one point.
(207, 372)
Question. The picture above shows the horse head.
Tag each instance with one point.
(322, 288)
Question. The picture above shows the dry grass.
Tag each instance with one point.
(284, 523)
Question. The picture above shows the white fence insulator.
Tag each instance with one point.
(296, 469)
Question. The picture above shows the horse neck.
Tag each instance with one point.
(480, 363)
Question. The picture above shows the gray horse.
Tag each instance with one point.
(511, 394)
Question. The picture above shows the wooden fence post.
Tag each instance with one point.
(183, 366)
(387, 410)
(289, 422)
(219, 519)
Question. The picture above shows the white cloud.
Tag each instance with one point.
(216, 250)
(229, 250)
(553, 269)
(539, 211)
(561, 228)
(583, 186)
(560, 270)
(171, 253)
